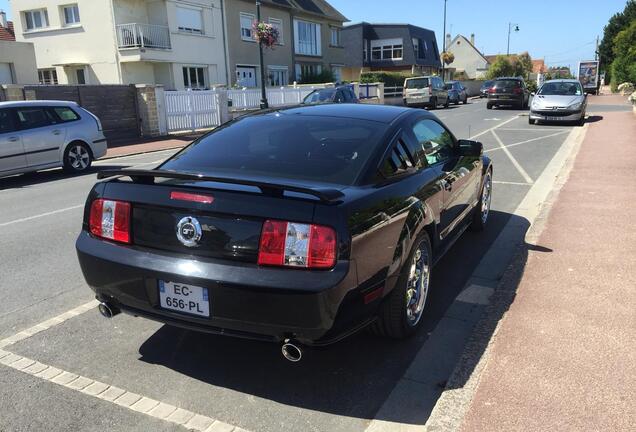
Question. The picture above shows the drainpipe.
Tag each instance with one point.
(114, 30)
(225, 53)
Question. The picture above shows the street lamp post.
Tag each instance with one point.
(444, 40)
(264, 103)
(509, 29)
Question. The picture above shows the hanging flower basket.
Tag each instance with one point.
(265, 34)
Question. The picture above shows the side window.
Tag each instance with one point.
(348, 95)
(435, 141)
(35, 117)
(7, 121)
(399, 160)
(65, 114)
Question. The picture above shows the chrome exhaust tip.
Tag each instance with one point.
(107, 311)
(291, 352)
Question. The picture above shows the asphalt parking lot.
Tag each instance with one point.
(240, 383)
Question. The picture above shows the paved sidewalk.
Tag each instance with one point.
(146, 146)
(564, 355)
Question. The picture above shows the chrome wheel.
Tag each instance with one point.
(486, 196)
(78, 157)
(417, 284)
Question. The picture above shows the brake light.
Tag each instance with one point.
(491, 90)
(185, 196)
(517, 90)
(110, 219)
(293, 244)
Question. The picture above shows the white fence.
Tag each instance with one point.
(393, 91)
(368, 91)
(192, 110)
(249, 98)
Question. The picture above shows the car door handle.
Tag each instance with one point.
(13, 139)
(57, 132)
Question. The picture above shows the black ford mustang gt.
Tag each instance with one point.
(299, 225)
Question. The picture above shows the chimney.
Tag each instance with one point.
(448, 40)
(472, 38)
(3, 19)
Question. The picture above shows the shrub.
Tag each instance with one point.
(625, 88)
(390, 79)
(532, 86)
(326, 76)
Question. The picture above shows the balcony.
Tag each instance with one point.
(137, 35)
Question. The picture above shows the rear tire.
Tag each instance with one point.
(530, 121)
(488, 106)
(77, 158)
(482, 211)
(402, 310)
(447, 103)
(433, 103)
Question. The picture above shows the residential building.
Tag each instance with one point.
(17, 59)
(469, 62)
(538, 66)
(309, 41)
(177, 43)
(389, 47)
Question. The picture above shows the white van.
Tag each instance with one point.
(425, 91)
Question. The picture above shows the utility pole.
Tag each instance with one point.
(444, 40)
(596, 50)
(264, 103)
(509, 29)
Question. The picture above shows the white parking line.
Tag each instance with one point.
(514, 161)
(527, 141)
(511, 183)
(493, 128)
(3, 224)
(535, 129)
(100, 390)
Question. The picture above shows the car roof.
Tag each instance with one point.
(13, 104)
(508, 78)
(570, 80)
(378, 113)
(423, 76)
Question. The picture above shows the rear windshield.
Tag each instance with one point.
(561, 89)
(322, 149)
(507, 84)
(320, 96)
(417, 83)
(487, 84)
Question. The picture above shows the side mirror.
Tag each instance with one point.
(470, 148)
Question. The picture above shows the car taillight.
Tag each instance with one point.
(517, 90)
(491, 90)
(293, 244)
(110, 219)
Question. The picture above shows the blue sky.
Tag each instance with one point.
(562, 32)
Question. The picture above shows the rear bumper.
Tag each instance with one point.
(504, 100)
(99, 147)
(417, 100)
(245, 300)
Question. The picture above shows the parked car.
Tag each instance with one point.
(559, 100)
(456, 92)
(425, 91)
(297, 226)
(483, 90)
(37, 135)
(508, 92)
(342, 94)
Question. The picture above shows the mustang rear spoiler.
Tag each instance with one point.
(325, 195)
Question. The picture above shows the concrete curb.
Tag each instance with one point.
(451, 407)
(141, 153)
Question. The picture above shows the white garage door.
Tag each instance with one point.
(5, 73)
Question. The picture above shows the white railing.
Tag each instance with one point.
(192, 110)
(137, 35)
(393, 91)
(248, 98)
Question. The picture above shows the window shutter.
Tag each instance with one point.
(318, 39)
(296, 50)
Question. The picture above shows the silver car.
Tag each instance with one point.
(559, 101)
(37, 135)
(425, 91)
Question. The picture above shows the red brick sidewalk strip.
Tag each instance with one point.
(564, 355)
(149, 146)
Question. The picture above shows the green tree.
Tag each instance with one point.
(616, 24)
(522, 65)
(501, 67)
(624, 64)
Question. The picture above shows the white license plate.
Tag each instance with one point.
(184, 298)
